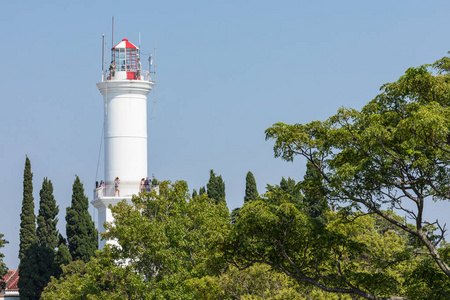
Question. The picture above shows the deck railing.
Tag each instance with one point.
(141, 75)
(125, 190)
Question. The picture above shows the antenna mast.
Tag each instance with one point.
(112, 35)
(103, 53)
(154, 80)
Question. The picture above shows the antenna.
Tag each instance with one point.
(112, 35)
(154, 80)
(104, 46)
(103, 53)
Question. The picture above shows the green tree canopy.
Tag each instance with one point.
(47, 218)
(102, 278)
(29, 280)
(80, 229)
(314, 200)
(349, 255)
(63, 258)
(251, 192)
(392, 153)
(202, 190)
(216, 188)
(3, 267)
(170, 238)
(27, 217)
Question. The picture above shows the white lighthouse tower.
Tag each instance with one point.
(124, 88)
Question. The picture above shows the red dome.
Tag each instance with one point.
(124, 44)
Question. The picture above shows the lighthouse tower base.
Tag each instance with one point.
(104, 213)
(102, 204)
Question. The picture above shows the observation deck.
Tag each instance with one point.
(134, 75)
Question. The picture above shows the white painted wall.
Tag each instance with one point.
(125, 132)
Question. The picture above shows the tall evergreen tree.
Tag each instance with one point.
(63, 257)
(29, 248)
(216, 188)
(80, 229)
(314, 200)
(29, 274)
(47, 218)
(47, 234)
(194, 193)
(251, 192)
(292, 189)
(27, 217)
(202, 190)
(3, 267)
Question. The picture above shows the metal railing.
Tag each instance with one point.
(141, 75)
(125, 190)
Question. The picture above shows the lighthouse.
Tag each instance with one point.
(125, 87)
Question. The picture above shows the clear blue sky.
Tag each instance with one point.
(226, 71)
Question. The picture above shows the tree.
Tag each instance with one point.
(392, 153)
(202, 190)
(47, 218)
(102, 278)
(257, 282)
(349, 255)
(28, 252)
(216, 188)
(289, 188)
(27, 217)
(315, 201)
(47, 234)
(80, 229)
(170, 238)
(251, 192)
(63, 258)
(3, 267)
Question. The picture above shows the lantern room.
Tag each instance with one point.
(125, 64)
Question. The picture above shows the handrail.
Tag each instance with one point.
(142, 75)
(125, 190)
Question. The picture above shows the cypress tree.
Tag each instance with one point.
(63, 257)
(29, 276)
(216, 188)
(251, 192)
(315, 201)
(202, 190)
(47, 233)
(29, 284)
(194, 193)
(80, 229)
(27, 217)
(290, 187)
(3, 267)
(47, 218)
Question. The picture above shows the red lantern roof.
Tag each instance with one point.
(124, 44)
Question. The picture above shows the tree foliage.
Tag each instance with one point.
(102, 278)
(170, 238)
(27, 217)
(3, 267)
(392, 153)
(347, 256)
(47, 220)
(47, 235)
(251, 192)
(314, 200)
(29, 280)
(216, 188)
(63, 258)
(289, 188)
(80, 229)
